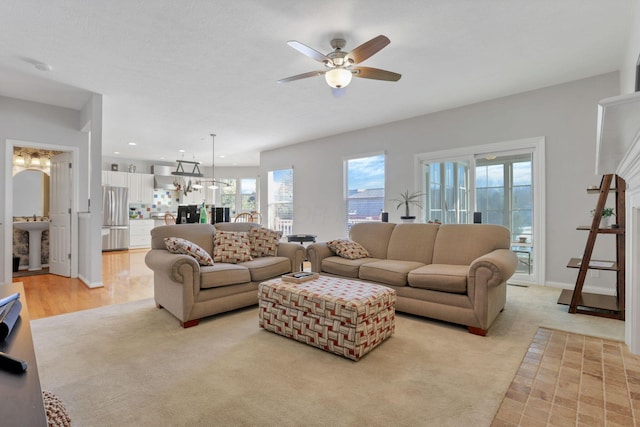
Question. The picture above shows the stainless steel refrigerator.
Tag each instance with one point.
(115, 218)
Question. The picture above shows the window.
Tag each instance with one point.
(228, 194)
(280, 200)
(504, 193)
(364, 189)
(248, 194)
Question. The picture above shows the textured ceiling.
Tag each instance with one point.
(172, 72)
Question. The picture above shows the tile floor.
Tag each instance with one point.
(567, 379)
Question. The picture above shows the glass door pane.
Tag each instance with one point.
(446, 188)
(504, 195)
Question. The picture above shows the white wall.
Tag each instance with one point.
(564, 114)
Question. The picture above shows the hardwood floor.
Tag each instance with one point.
(124, 275)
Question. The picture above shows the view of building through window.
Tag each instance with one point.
(280, 200)
(364, 198)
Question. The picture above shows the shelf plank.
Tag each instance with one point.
(602, 230)
(593, 301)
(576, 262)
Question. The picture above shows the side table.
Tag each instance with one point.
(302, 239)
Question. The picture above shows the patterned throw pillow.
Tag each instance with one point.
(264, 242)
(231, 247)
(333, 244)
(351, 250)
(176, 245)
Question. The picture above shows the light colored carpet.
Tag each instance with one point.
(132, 364)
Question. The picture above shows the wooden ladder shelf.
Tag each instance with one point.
(595, 304)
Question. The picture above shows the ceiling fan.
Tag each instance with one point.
(340, 66)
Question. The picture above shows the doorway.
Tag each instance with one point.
(56, 240)
(504, 182)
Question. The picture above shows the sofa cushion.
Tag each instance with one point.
(176, 245)
(231, 247)
(351, 250)
(462, 243)
(344, 267)
(440, 277)
(391, 272)
(267, 267)
(374, 236)
(263, 241)
(223, 274)
(413, 242)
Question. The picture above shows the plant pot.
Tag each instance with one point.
(604, 221)
(408, 219)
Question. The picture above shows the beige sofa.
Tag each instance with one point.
(190, 291)
(456, 273)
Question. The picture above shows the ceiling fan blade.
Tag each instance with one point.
(310, 52)
(302, 76)
(375, 74)
(367, 49)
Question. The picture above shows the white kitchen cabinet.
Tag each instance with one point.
(115, 179)
(140, 233)
(140, 188)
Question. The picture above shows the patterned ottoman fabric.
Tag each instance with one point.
(342, 316)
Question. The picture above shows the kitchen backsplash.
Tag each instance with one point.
(163, 201)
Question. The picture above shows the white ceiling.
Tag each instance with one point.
(172, 72)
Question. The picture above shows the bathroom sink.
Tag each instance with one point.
(32, 225)
(34, 228)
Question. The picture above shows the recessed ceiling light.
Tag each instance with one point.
(221, 156)
(181, 151)
(116, 152)
(132, 143)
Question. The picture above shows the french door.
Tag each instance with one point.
(502, 185)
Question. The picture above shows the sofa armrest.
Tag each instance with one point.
(501, 264)
(295, 252)
(316, 252)
(164, 262)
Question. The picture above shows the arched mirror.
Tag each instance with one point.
(31, 193)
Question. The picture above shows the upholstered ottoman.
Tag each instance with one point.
(342, 316)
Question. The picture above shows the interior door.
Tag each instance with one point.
(60, 195)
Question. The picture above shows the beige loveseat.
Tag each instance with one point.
(456, 273)
(190, 291)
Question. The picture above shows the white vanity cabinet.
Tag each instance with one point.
(140, 188)
(140, 233)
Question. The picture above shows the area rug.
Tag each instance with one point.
(132, 364)
(568, 379)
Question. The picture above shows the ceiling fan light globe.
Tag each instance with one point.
(338, 78)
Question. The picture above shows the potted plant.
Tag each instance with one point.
(607, 213)
(407, 199)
